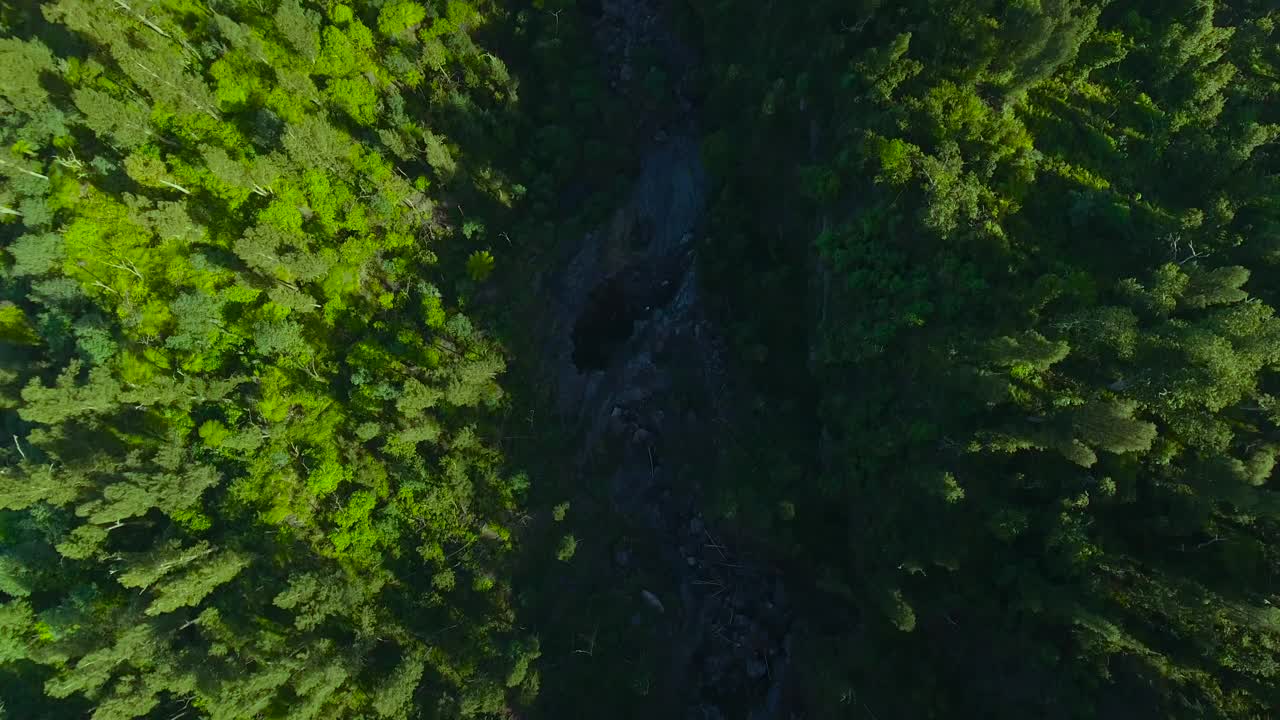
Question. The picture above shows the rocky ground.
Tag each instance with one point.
(640, 369)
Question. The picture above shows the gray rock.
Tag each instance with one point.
(649, 247)
(714, 668)
(704, 711)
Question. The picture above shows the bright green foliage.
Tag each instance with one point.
(247, 430)
(480, 265)
(568, 547)
(400, 16)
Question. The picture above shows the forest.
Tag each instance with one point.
(987, 289)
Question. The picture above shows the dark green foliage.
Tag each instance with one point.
(1025, 257)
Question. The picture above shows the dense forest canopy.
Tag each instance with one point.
(1029, 275)
(1000, 278)
(247, 473)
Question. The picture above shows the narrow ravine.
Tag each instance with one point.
(640, 372)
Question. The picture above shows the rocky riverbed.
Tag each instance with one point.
(641, 370)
